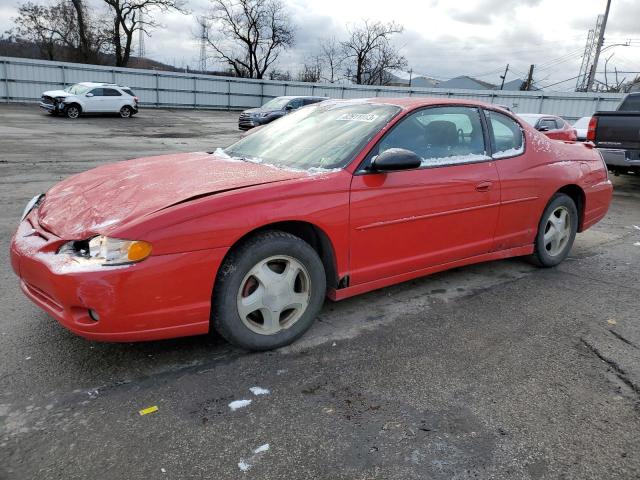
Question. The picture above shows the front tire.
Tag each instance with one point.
(556, 231)
(268, 291)
(72, 111)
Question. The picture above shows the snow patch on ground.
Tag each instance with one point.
(262, 448)
(259, 391)
(236, 404)
(246, 464)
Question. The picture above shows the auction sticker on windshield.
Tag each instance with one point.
(358, 117)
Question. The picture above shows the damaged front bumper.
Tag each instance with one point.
(164, 296)
(52, 105)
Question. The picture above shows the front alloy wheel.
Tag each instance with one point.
(72, 111)
(268, 291)
(274, 295)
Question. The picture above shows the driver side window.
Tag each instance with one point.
(548, 123)
(295, 104)
(439, 136)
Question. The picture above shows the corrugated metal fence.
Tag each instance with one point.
(23, 80)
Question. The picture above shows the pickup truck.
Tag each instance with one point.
(617, 135)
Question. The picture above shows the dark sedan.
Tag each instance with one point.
(274, 109)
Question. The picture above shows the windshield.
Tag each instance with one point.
(77, 89)
(323, 135)
(582, 122)
(276, 103)
(530, 119)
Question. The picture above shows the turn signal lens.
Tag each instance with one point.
(138, 250)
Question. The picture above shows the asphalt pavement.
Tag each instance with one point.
(499, 370)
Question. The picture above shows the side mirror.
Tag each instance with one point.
(395, 159)
(89, 94)
(543, 129)
(288, 108)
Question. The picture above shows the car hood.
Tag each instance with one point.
(56, 93)
(260, 110)
(106, 197)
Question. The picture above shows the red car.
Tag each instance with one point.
(336, 199)
(551, 125)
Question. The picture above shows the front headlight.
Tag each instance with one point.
(107, 251)
(33, 203)
(262, 115)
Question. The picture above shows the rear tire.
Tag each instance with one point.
(126, 112)
(268, 291)
(556, 231)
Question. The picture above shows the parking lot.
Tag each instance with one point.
(499, 370)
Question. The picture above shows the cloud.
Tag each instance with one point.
(623, 17)
(484, 11)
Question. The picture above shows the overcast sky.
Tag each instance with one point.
(442, 39)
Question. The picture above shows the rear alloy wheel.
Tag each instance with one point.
(72, 111)
(268, 291)
(556, 231)
(126, 112)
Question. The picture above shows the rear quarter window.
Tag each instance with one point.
(128, 91)
(507, 138)
(631, 104)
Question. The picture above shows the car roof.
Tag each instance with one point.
(538, 115)
(101, 84)
(302, 96)
(409, 103)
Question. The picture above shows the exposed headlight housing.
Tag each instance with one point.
(33, 203)
(107, 251)
(262, 114)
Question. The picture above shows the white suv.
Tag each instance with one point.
(88, 97)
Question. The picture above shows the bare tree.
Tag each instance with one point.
(368, 45)
(379, 65)
(251, 34)
(279, 75)
(131, 16)
(50, 27)
(62, 30)
(332, 58)
(311, 70)
(83, 33)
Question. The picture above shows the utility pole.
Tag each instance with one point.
(527, 85)
(141, 51)
(204, 34)
(592, 73)
(504, 76)
(410, 76)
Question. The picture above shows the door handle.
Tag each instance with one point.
(484, 186)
